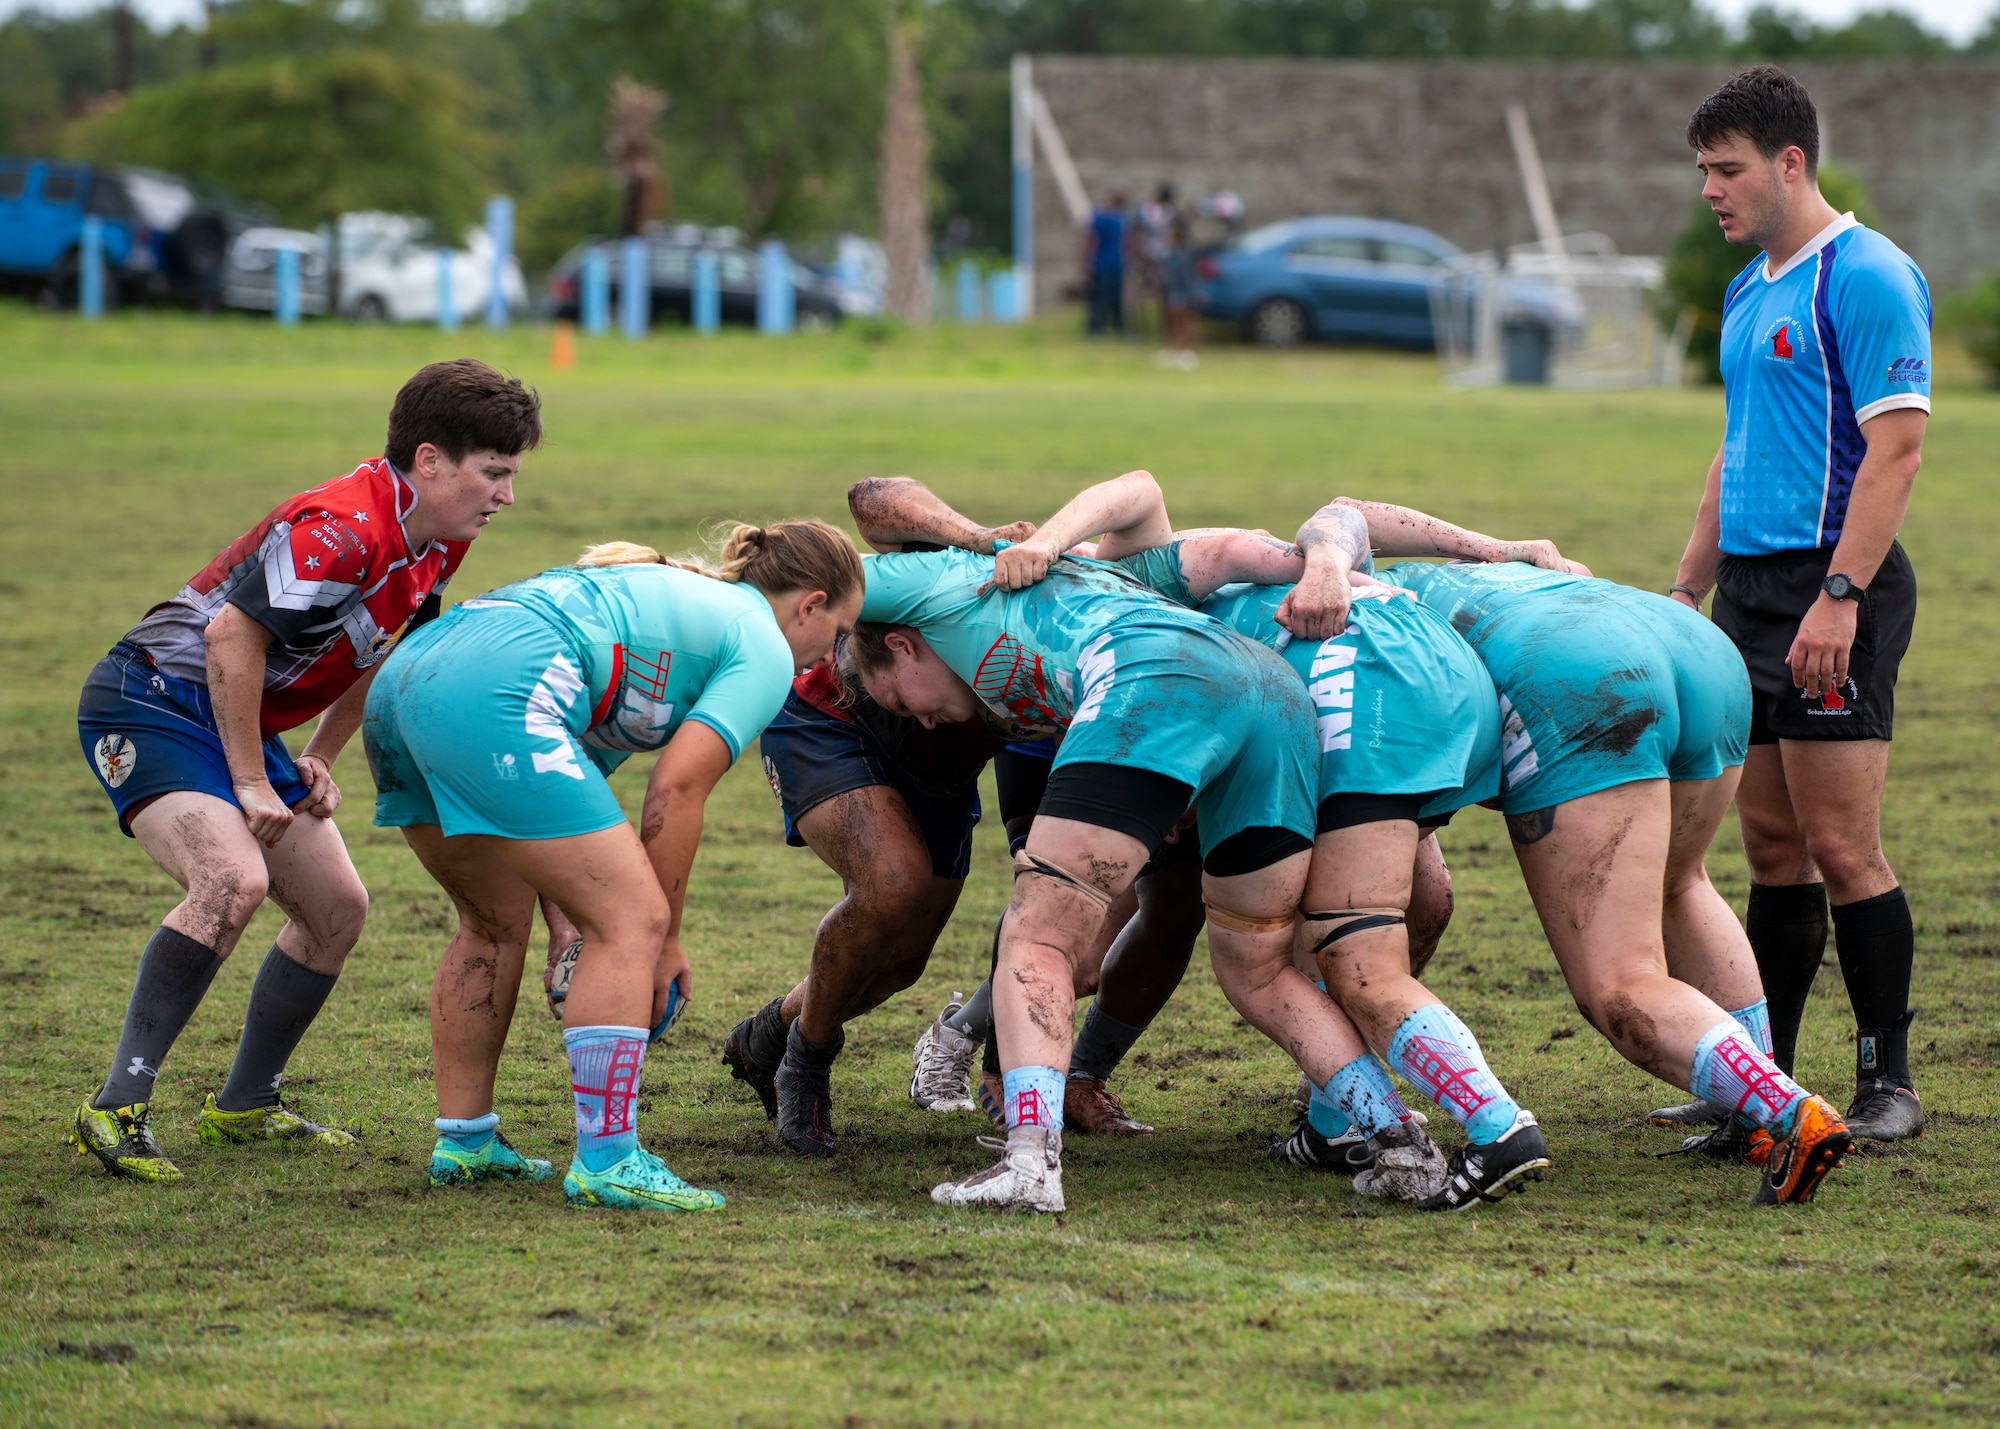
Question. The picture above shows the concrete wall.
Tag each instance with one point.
(1427, 143)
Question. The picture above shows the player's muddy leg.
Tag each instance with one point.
(479, 977)
(202, 843)
(1596, 868)
(1431, 903)
(1065, 880)
(313, 880)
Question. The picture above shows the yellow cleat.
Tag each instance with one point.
(122, 1140)
(265, 1123)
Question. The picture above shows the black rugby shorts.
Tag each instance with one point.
(1759, 602)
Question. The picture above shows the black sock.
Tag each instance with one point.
(174, 974)
(1877, 944)
(767, 1035)
(813, 1054)
(1101, 1045)
(1786, 924)
(975, 1019)
(284, 1000)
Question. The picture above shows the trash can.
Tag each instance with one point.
(1525, 346)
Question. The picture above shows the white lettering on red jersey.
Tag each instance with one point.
(329, 573)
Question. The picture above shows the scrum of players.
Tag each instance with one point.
(1191, 730)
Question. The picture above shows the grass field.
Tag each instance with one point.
(1192, 1281)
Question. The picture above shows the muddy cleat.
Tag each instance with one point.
(993, 1098)
(753, 1050)
(1883, 1111)
(641, 1182)
(1406, 1165)
(121, 1138)
(1302, 1095)
(1093, 1109)
(1799, 1162)
(1487, 1173)
(805, 1095)
(276, 1122)
(560, 973)
(1028, 1178)
(497, 1160)
(941, 1075)
(1305, 1147)
(1699, 1112)
(1734, 1140)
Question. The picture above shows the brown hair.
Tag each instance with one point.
(460, 407)
(786, 555)
(868, 646)
(1765, 106)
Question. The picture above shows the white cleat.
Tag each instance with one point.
(941, 1075)
(1409, 1166)
(1028, 1178)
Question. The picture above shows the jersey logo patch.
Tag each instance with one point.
(116, 758)
(1780, 340)
(1010, 680)
(1913, 370)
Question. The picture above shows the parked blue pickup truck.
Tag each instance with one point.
(160, 239)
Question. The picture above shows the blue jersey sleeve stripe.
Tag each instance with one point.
(1844, 446)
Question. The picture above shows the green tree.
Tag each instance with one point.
(1973, 316)
(312, 138)
(1702, 264)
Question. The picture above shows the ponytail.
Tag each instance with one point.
(786, 555)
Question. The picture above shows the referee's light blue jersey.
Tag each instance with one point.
(1838, 335)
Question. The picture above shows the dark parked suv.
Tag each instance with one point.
(161, 239)
(671, 278)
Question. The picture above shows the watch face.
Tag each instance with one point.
(1839, 587)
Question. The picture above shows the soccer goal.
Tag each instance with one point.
(1580, 317)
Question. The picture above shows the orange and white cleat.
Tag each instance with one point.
(1800, 1161)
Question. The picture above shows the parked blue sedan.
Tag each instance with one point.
(1335, 279)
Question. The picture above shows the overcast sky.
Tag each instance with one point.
(1959, 19)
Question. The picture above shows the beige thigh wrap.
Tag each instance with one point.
(1234, 922)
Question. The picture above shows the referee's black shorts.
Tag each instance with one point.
(1759, 602)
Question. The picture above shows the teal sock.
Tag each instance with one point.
(468, 1133)
(1756, 1020)
(1363, 1091)
(604, 1068)
(1325, 1116)
(1435, 1051)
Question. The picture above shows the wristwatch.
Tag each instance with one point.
(1841, 588)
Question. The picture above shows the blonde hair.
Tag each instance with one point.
(786, 555)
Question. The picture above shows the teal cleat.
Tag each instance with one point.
(641, 1182)
(497, 1160)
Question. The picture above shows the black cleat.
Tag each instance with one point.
(1305, 1147)
(1734, 1140)
(1699, 1112)
(1884, 1111)
(1488, 1173)
(753, 1050)
(805, 1094)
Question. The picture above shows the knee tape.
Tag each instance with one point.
(1026, 863)
(1351, 920)
(1234, 922)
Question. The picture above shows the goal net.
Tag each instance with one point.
(1584, 317)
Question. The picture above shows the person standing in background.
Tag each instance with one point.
(1826, 348)
(1180, 295)
(1104, 242)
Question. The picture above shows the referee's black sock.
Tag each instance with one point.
(1877, 944)
(1786, 924)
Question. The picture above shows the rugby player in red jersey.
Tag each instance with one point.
(181, 722)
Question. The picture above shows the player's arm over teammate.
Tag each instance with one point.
(892, 511)
(1317, 607)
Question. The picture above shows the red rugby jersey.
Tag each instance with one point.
(329, 573)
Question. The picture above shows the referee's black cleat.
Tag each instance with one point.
(1884, 1111)
(753, 1050)
(1347, 1154)
(1488, 1173)
(1699, 1112)
(805, 1094)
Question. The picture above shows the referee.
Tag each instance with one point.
(1826, 365)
